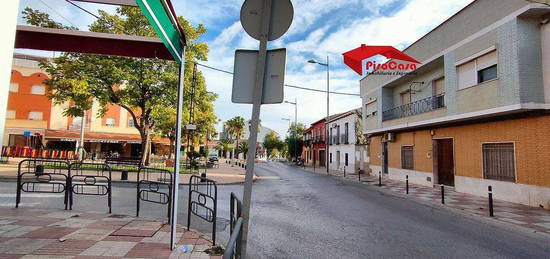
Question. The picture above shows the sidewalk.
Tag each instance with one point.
(530, 218)
(225, 174)
(33, 233)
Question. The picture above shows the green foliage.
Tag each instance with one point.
(145, 88)
(294, 146)
(243, 148)
(273, 144)
(204, 152)
(40, 19)
(296, 128)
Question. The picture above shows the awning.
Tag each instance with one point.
(99, 137)
(30, 37)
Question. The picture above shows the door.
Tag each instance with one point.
(445, 161)
(322, 158)
(337, 159)
(385, 157)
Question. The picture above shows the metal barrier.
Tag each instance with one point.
(417, 107)
(92, 179)
(152, 179)
(203, 203)
(47, 176)
(233, 248)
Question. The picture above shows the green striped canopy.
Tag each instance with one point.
(163, 19)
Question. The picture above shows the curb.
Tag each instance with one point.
(14, 179)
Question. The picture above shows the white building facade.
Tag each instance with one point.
(346, 150)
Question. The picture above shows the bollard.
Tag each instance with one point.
(359, 174)
(124, 175)
(379, 178)
(407, 184)
(344, 172)
(442, 194)
(491, 212)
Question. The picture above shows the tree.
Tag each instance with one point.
(235, 127)
(294, 146)
(243, 148)
(142, 87)
(272, 143)
(224, 145)
(296, 128)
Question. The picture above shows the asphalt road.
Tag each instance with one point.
(298, 214)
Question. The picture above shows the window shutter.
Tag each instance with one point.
(487, 60)
(467, 75)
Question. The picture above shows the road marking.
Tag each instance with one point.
(12, 204)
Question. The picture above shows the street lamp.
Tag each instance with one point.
(295, 103)
(328, 87)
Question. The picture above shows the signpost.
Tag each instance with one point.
(263, 20)
(161, 16)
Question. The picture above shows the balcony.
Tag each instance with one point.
(410, 109)
(344, 139)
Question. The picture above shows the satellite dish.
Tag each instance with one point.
(282, 13)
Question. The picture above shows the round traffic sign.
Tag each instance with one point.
(282, 13)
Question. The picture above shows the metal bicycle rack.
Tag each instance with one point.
(149, 181)
(90, 179)
(42, 176)
(203, 199)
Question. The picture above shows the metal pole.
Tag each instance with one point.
(295, 129)
(442, 194)
(81, 143)
(326, 122)
(252, 139)
(379, 178)
(174, 212)
(491, 211)
(407, 184)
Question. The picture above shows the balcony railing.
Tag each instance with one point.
(344, 139)
(420, 106)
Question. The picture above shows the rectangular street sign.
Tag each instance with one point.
(245, 73)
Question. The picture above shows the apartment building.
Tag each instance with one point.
(475, 112)
(33, 121)
(314, 150)
(346, 150)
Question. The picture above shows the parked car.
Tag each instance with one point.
(213, 157)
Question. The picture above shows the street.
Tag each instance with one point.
(298, 214)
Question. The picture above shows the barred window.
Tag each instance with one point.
(498, 161)
(407, 157)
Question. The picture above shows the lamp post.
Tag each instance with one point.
(328, 113)
(289, 122)
(295, 103)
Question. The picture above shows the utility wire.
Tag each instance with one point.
(64, 18)
(82, 8)
(287, 85)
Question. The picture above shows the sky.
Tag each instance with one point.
(320, 28)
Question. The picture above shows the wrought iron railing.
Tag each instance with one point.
(420, 106)
(233, 247)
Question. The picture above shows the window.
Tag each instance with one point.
(14, 87)
(346, 160)
(405, 97)
(346, 132)
(330, 158)
(487, 74)
(110, 122)
(498, 161)
(35, 116)
(131, 123)
(407, 157)
(10, 114)
(478, 70)
(438, 86)
(338, 135)
(38, 89)
(467, 75)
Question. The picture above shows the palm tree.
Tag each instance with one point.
(235, 127)
(224, 145)
(243, 148)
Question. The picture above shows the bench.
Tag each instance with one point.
(124, 165)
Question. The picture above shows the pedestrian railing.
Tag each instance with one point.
(233, 247)
(90, 179)
(203, 199)
(149, 183)
(42, 176)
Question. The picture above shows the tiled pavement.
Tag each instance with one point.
(33, 233)
(531, 218)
